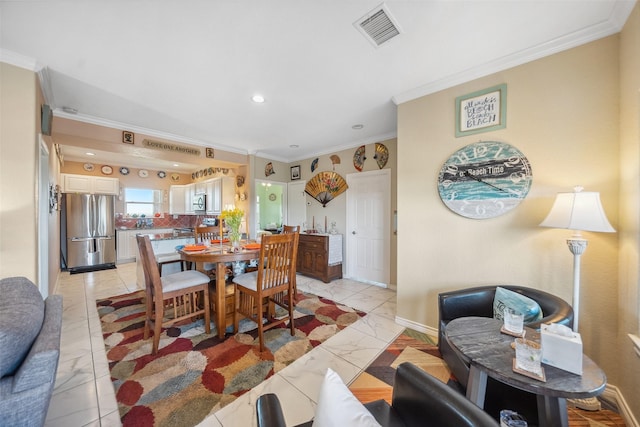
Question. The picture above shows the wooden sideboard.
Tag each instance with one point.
(320, 256)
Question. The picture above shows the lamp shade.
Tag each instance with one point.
(580, 210)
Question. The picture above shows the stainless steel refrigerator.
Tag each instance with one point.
(90, 232)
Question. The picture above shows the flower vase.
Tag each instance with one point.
(234, 238)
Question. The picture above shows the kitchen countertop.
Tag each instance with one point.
(161, 236)
(169, 236)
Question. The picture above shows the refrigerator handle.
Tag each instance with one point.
(93, 220)
(80, 239)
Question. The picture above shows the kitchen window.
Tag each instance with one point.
(142, 201)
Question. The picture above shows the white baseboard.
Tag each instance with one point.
(611, 393)
(417, 327)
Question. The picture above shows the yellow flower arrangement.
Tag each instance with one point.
(232, 219)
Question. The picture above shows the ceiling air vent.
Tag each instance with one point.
(378, 26)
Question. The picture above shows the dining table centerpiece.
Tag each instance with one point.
(232, 220)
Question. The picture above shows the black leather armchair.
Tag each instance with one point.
(419, 400)
(478, 301)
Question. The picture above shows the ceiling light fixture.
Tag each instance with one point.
(357, 127)
(90, 154)
(258, 99)
(175, 165)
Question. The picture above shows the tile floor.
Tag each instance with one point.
(84, 396)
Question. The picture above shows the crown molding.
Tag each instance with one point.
(329, 150)
(613, 25)
(19, 60)
(84, 118)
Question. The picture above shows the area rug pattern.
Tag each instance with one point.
(195, 374)
(376, 382)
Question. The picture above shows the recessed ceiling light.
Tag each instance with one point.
(357, 127)
(294, 146)
(175, 165)
(258, 99)
(90, 154)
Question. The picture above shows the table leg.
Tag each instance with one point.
(477, 386)
(221, 309)
(552, 411)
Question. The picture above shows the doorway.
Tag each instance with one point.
(297, 204)
(271, 205)
(368, 227)
(43, 219)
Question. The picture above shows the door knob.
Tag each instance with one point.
(353, 232)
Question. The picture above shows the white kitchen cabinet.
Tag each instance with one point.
(89, 184)
(213, 197)
(177, 199)
(190, 192)
(220, 192)
(126, 246)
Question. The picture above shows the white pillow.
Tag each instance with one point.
(337, 406)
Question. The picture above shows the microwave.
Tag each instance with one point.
(199, 202)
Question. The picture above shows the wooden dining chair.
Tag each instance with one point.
(172, 298)
(255, 291)
(286, 229)
(213, 233)
(203, 234)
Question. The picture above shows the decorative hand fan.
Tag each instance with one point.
(359, 158)
(335, 160)
(382, 155)
(325, 186)
(314, 164)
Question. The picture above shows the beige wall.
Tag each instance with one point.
(336, 209)
(629, 235)
(562, 113)
(19, 155)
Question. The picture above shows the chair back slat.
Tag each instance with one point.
(203, 234)
(278, 260)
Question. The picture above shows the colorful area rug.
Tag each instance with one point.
(376, 382)
(195, 374)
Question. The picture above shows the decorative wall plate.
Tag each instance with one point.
(272, 197)
(162, 174)
(124, 171)
(359, 158)
(143, 173)
(106, 170)
(484, 179)
(88, 167)
(382, 155)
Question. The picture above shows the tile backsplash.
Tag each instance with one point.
(164, 221)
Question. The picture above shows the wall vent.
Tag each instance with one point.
(378, 26)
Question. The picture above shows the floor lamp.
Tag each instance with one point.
(578, 211)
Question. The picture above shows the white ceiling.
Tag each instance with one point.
(186, 70)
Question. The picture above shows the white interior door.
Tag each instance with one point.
(297, 203)
(368, 226)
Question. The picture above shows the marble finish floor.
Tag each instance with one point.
(84, 395)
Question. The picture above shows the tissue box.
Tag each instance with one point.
(561, 351)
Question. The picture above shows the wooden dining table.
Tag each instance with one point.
(219, 254)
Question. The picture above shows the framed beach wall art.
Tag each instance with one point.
(481, 111)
